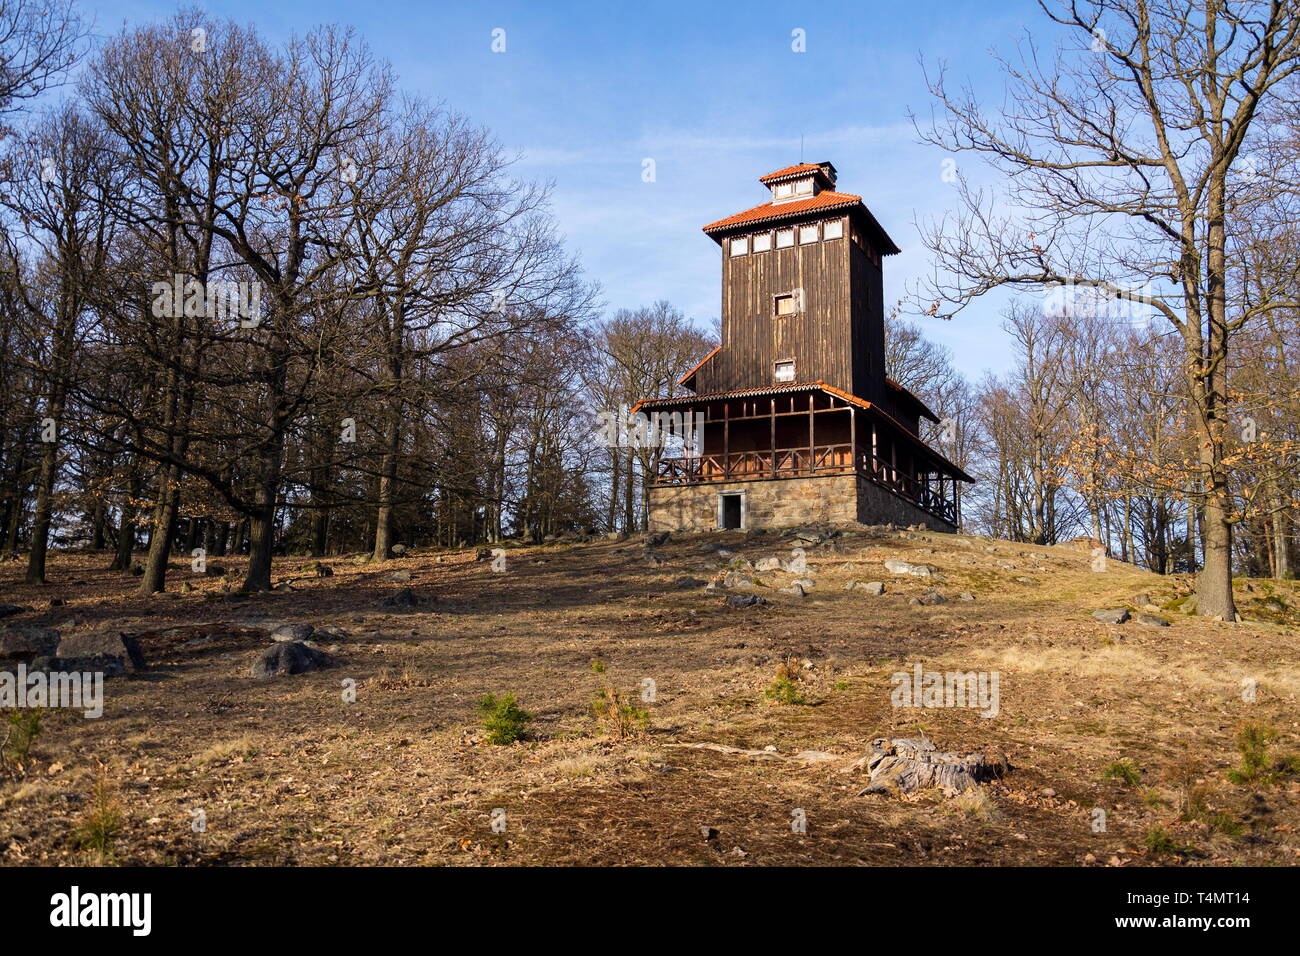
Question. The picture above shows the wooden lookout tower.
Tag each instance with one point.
(799, 422)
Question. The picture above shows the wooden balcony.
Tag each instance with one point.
(741, 465)
(926, 493)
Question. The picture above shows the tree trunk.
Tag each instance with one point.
(44, 513)
(126, 531)
(164, 531)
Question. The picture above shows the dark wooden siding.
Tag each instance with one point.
(818, 338)
(868, 322)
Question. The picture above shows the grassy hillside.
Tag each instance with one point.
(1141, 721)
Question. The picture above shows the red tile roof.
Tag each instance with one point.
(790, 171)
(826, 199)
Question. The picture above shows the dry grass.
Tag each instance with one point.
(287, 772)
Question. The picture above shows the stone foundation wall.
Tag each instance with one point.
(786, 503)
(774, 503)
(878, 506)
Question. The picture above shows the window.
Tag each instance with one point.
(807, 234)
(763, 242)
(740, 245)
(784, 238)
(783, 371)
(786, 304)
(833, 230)
(803, 187)
(783, 191)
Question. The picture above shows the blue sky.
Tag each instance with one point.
(713, 92)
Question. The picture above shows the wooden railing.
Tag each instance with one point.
(794, 462)
(781, 463)
(918, 492)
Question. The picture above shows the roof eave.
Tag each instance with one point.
(718, 231)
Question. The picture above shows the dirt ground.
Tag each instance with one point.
(287, 771)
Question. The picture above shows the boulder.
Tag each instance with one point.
(404, 597)
(110, 665)
(1151, 620)
(806, 583)
(398, 549)
(292, 632)
(655, 539)
(7, 610)
(686, 581)
(21, 641)
(898, 566)
(932, 597)
(289, 658)
(744, 600)
(768, 564)
(735, 579)
(1113, 616)
(794, 590)
(400, 577)
(965, 596)
(111, 643)
(873, 588)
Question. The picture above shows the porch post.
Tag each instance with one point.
(772, 441)
(812, 445)
(726, 438)
(853, 437)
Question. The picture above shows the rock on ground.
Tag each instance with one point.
(289, 658)
(292, 632)
(404, 597)
(898, 566)
(1151, 620)
(110, 665)
(874, 588)
(1112, 616)
(117, 644)
(28, 640)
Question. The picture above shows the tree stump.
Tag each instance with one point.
(908, 764)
